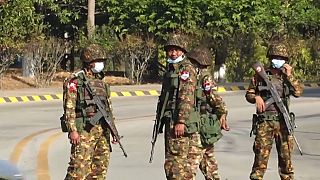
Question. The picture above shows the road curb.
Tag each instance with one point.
(50, 97)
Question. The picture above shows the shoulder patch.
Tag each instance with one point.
(72, 85)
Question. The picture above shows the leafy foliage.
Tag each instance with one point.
(239, 31)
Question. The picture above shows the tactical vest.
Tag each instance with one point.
(210, 130)
(172, 81)
(281, 86)
(85, 106)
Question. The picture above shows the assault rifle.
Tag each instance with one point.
(103, 114)
(275, 98)
(159, 122)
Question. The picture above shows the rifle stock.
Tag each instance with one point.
(275, 98)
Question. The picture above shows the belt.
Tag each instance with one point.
(270, 116)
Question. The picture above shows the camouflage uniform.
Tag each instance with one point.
(90, 158)
(177, 147)
(270, 124)
(211, 107)
(180, 81)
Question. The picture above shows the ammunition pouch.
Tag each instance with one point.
(254, 126)
(210, 130)
(174, 78)
(79, 124)
(193, 123)
(63, 125)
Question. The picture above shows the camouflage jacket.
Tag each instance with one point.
(189, 76)
(209, 91)
(71, 97)
(293, 86)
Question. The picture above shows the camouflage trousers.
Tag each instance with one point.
(185, 154)
(176, 157)
(90, 158)
(202, 157)
(267, 131)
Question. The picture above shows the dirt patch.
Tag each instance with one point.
(13, 80)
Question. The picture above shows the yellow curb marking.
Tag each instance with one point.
(2, 100)
(139, 93)
(36, 98)
(43, 163)
(17, 151)
(60, 96)
(154, 92)
(126, 93)
(48, 97)
(13, 99)
(235, 88)
(25, 99)
(114, 94)
(221, 89)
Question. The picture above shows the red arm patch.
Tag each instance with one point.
(72, 86)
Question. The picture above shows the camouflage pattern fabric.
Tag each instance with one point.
(93, 52)
(209, 164)
(203, 157)
(215, 100)
(176, 158)
(178, 40)
(266, 132)
(278, 49)
(273, 129)
(90, 158)
(178, 147)
(186, 97)
(195, 154)
(295, 87)
(202, 55)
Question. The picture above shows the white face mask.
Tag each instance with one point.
(98, 67)
(277, 63)
(180, 58)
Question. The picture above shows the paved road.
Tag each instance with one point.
(30, 138)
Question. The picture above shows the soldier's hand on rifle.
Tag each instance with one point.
(74, 137)
(179, 129)
(287, 69)
(223, 123)
(260, 105)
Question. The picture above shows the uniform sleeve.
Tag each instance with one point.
(70, 97)
(296, 88)
(186, 95)
(214, 99)
(251, 91)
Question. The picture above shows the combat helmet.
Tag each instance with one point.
(93, 52)
(201, 54)
(177, 40)
(278, 49)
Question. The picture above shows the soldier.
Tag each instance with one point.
(269, 123)
(180, 117)
(213, 114)
(90, 143)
